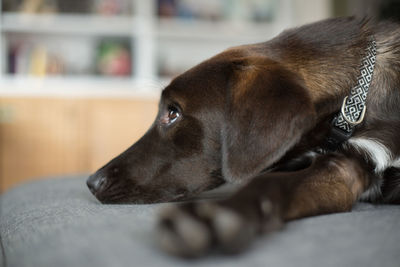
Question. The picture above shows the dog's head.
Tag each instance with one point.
(224, 120)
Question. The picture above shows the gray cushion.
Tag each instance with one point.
(59, 223)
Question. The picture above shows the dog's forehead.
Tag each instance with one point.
(185, 95)
(198, 86)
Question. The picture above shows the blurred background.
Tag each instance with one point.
(80, 79)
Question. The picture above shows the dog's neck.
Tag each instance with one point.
(328, 71)
(327, 80)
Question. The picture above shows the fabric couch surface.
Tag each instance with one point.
(57, 222)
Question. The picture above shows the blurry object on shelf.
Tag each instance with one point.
(70, 55)
(252, 10)
(19, 55)
(207, 9)
(9, 5)
(191, 9)
(103, 7)
(40, 55)
(35, 60)
(112, 7)
(38, 62)
(12, 60)
(38, 6)
(114, 58)
(75, 6)
(167, 8)
(55, 65)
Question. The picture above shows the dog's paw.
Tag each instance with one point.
(181, 233)
(192, 229)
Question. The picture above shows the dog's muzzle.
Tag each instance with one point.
(96, 183)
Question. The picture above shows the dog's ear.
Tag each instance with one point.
(267, 111)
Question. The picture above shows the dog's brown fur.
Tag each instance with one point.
(249, 116)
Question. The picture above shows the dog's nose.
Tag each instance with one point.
(95, 183)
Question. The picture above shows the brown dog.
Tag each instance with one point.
(255, 115)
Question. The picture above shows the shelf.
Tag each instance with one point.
(127, 26)
(68, 24)
(158, 45)
(82, 87)
(218, 31)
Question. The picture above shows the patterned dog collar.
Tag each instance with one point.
(354, 105)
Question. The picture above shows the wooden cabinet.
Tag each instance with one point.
(114, 125)
(51, 136)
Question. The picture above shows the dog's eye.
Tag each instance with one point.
(173, 114)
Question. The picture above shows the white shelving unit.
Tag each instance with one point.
(67, 24)
(152, 40)
(2, 51)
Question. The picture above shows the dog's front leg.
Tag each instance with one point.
(331, 184)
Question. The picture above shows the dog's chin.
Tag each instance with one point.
(126, 199)
(116, 194)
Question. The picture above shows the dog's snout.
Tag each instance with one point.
(96, 183)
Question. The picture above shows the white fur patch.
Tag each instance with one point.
(379, 154)
(373, 192)
(396, 163)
